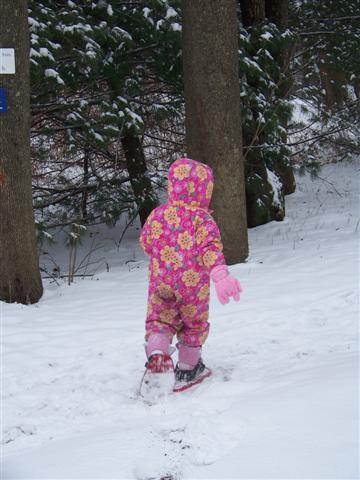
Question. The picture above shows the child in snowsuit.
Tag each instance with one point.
(185, 249)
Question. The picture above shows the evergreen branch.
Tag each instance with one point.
(354, 17)
(167, 140)
(71, 192)
(304, 128)
(320, 32)
(293, 144)
(303, 52)
(127, 226)
(317, 137)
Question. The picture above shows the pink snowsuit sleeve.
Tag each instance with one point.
(145, 236)
(209, 243)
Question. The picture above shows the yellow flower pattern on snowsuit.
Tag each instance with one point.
(156, 229)
(168, 315)
(185, 240)
(209, 258)
(155, 267)
(182, 171)
(201, 173)
(204, 292)
(188, 310)
(165, 291)
(170, 255)
(209, 190)
(176, 262)
(191, 187)
(197, 221)
(181, 203)
(155, 299)
(190, 278)
(167, 254)
(171, 216)
(201, 235)
(184, 244)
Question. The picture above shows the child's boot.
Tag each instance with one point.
(158, 378)
(190, 369)
(158, 351)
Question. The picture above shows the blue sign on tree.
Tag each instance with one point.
(3, 100)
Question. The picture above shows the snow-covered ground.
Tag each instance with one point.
(283, 400)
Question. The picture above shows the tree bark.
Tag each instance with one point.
(212, 105)
(277, 11)
(333, 82)
(20, 279)
(140, 182)
(85, 193)
(252, 12)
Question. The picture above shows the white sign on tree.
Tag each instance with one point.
(7, 61)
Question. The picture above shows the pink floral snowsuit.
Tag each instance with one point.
(184, 244)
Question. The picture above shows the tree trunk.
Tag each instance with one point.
(252, 12)
(212, 105)
(146, 199)
(85, 193)
(263, 204)
(20, 279)
(277, 11)
(333, 82)
(260, 195)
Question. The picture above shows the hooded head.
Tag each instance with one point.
(190, 183)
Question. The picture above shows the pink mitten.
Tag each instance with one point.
(226, 286)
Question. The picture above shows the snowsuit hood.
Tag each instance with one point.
(190, 183)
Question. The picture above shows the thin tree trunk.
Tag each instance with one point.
(277, 11)
(252, 12)
(136, 166)
(85, 193)
(332, 81)
(20, 279)
(212, 103)
(260, 204)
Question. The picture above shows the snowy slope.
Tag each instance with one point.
(283, 399)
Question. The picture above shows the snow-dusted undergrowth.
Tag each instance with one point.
(283, 399)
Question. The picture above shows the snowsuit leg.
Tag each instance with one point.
(194, 312)
(185, 316)
(163, 312)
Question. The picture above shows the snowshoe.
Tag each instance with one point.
(185, 379)
(158, 378)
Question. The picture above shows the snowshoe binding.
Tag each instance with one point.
(185, 379)
(158, 378)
